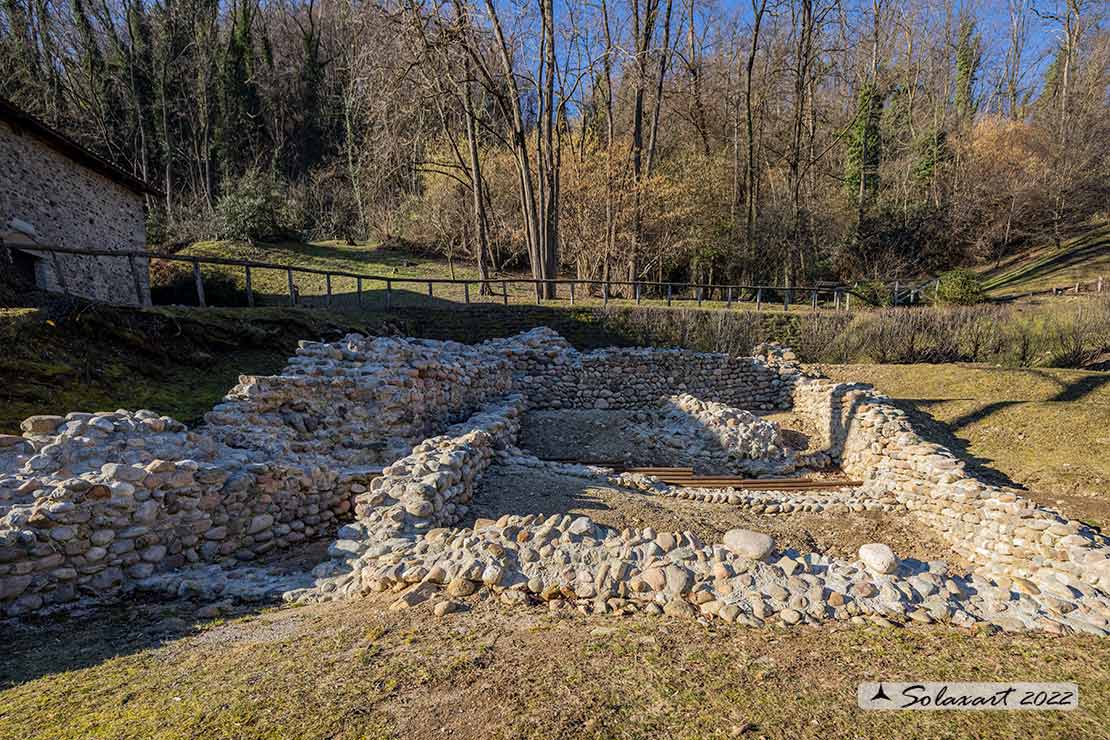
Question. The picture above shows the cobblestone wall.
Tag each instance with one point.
(90, 503)
(552, 375)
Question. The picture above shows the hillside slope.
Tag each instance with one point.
(1082, 259)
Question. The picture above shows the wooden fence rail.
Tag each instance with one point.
(839, 296)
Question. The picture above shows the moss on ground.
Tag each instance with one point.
(174, 361)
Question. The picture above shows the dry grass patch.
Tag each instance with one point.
(354, 670)
(1047, 430)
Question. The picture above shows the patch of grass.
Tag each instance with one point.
(174, 361)
(1045, 429)
(496, 673)
(1081, 259)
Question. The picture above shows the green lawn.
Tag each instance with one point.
(357, 670)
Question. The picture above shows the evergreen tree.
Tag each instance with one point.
(969, 55)
(240, 125)
(932, 152)
(865, 146)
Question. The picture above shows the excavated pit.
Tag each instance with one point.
(521, 491)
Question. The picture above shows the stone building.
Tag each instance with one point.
(56, 193)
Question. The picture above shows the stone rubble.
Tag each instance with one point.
(739, 434)
(383, 441)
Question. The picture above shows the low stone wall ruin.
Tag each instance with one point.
(1003, 533)
(384, 441)
(552, 375)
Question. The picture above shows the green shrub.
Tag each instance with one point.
(172, 284)
(254, 208)
(959, 288)
(873, 293)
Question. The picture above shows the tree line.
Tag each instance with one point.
(780, 141)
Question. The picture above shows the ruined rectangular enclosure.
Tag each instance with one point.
(381, 445)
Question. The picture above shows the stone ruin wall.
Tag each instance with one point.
(92, 503)
(1000, 532)
(553, 375)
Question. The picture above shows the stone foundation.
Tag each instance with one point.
(386, 439)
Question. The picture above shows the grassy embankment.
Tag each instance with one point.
(1082, 259)
(175, 361)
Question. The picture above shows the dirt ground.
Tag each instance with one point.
(504, 490)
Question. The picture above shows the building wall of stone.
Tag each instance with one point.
(1001, 532)
(73, 206)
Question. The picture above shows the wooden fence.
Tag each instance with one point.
(838, 297)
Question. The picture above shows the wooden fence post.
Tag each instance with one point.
(539, 292)
(728, 298)
(698, 289)
(847, 301)
(758, 298)
(466, 293)
(785, 300)
(605, 293)
(814, 308)
(572, 292)
(139, 298)
(670, 289)
(358, 289)
(430, 289)
(199, 283)
(327, 280)
(58, 273)
(388, 294)
(250, 288)
(505, 292)
(637, 289)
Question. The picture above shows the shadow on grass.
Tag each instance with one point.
(1076, 390)
(937, 432)
(1091, 245)
(38, 646)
